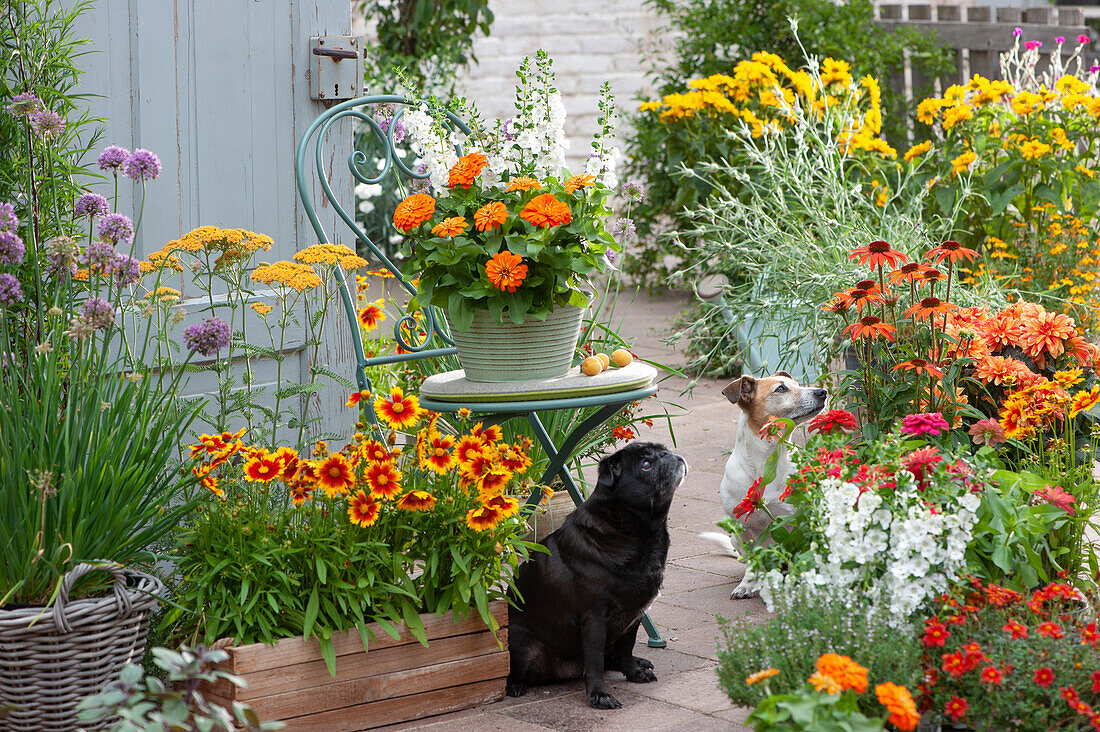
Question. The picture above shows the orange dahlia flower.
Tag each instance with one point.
(399, 411)
(451, 226)
(466, 170)
(506, 271)
(546, 210)
(1046, 332)
(490, 216)
(999, 370)
(523, 183)
(416, 501)
(482, 518)
(579, 181)
(384, 480)
(362, 511)
(413, 211)
(335, 475)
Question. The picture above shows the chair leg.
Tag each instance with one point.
(655, 639)
(559, 456)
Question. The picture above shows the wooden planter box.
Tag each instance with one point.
(398, 680)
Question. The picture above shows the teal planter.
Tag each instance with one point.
(538, 349)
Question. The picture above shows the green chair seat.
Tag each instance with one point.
(453, 386)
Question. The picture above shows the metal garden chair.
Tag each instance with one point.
(448, 392)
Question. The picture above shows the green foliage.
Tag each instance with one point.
(807, 710)
(171, 701)
(808, 622)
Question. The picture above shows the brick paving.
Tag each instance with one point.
(696, 588)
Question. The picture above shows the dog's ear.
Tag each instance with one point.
(740, 390)
(609, 471)
(784, 373)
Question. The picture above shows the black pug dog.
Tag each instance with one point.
(582, 603)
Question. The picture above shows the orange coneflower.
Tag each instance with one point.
(466, 170)
(522, 183)
(483, 517)
(1084, 401)
(506, 271)
(353, 400)
(920, 366)
(416, 501)
(335, 475)
(871, 327)
(399, 411)
(262, 469)
(952, 251)
(372, 315)
(546, 210)
(838, 303)
(384, 480)
(930, 276)
(878, 253)
(908, 272)
(413, 211)
(362, 511)
(930, 306)
(490, 216)
(579, 181)
(450, 227)
(437, 453)
(860, 297)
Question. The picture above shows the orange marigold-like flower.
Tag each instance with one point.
(579, 181)
(899, 702)
(483, 517)
(466, 170)
(384, 480)
(416, 501)
(413, 211)
(1084, 401)
(399, 411)
(450, 227)
(506, 271)
(490, 216)
(362, 511)
(760, 676)
(823, 682)
(335, 475)
(843, 670)
(523, 183)
(546, 210)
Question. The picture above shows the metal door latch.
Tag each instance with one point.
(335, 67)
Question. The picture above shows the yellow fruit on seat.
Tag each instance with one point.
(604, 359)
(622, 357)
(591, 366)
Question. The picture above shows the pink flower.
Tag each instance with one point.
(1017, 31)
(1059, 39)
(1032, 45)
(1055, 496)
(930, 423)
(987, 432)
(1082, 38)
(1093, 69)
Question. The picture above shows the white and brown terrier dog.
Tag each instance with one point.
(778, 395)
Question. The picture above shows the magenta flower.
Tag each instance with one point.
(1059, 40)
(207, 337)
(1055, 496)
(987, 432)
(1082, 38)
(929, 423)
(1017, 31)
(1093, 69)
(1032, 45)
(112, 158)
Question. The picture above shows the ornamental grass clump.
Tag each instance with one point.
(998, 659)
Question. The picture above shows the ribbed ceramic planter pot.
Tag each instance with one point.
(537, 349)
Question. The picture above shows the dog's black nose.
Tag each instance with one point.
(821, 394)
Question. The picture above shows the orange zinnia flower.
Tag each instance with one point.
(416, 501)
(362, 511)
(870, 327)
(1084, 401)
(579, 181)
(930, 306)
(413, 211)
(384, 480)
(482, 518)
(262, 468)
(490, 216)
(372, 315)
(335, 475)
(399, 411)
(467, 169)
(846, 672)
(522, 183)
(952, 251)
(920, 366)
(545, 210)
(878, 253)
(450, 227)
(506, 271)
(899, 702)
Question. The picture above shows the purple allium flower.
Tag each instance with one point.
(11, 292)
(141, 165)
(25, 104)
(623, 230)
(62, 254)
(113, 158)
(47, 124)
(1017, 31)
(98, 314)
(91, 204)
(100, 256)
(634, 190)
(126, 268)
(928, 423)
(509, 128)
(1083, 38)
(208, 337)
(11, 248)
(1033, 45)
(8, 220)
(400, 132)
(420, 185)
(1059, 39)
(115, 228)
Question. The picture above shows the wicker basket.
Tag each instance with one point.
(52, 658)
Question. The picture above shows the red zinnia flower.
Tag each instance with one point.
(1095, 682)
(834, 419)
(1016, 630)
(506, 271)
(1044, 676)
(935, 634)
(1051, 630)
(878, 253)
(992, 675)
(956, 708)
(1090, 636)
(754, 499)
